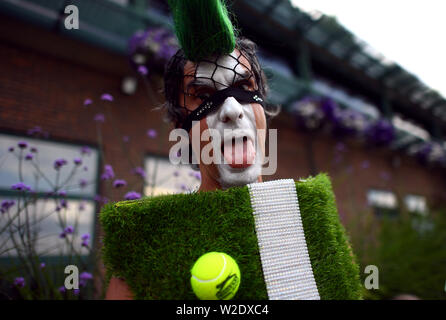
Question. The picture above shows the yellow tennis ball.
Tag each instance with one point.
(215, 276)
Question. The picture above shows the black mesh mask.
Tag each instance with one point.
(216, 92)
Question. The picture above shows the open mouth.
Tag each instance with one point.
(239, 152)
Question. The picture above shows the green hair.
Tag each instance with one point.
(203, 27)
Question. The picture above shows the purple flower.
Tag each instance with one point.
(422, 154)
(19, 282)
(34, 131)
(132, 195)
(22, 144)
(63, 203)
(62, 193)
(99, 117)
(6, 204)
(20, 187)
(107, 97)
(151, 133)
(385, 175)
(85, 276)
(76, 292)
(29, 156)
(87, 102)
(77, 161)
(69, 230)
(108, 172)
(42, 265)
(365, 164)
(82, 183)
(85, 240)
(330, 108)
(183, 187)
(119, 183)
(62, 289)
(197, 175)
(380, 133)
(154, 45)
(308, 114)
(81, 206)
(429, 152)
(139, 172)
(85, 150)
(143, 70)
(11, 149)
(33, 149)
(176, 173)
(348, 122)
(340, 147)
(59, 163)
(100, 199)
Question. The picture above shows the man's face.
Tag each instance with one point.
(241, 145)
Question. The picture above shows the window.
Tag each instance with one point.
(416, 204)
(383, 202)
(162, 177)
(62, 182)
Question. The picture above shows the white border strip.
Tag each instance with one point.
(283, 250)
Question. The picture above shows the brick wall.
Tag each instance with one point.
(44, 83)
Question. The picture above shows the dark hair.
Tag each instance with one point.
(174, 73)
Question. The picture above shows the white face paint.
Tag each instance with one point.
(240, 118)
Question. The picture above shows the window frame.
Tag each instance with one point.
(11, 194)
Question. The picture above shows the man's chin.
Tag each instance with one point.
(238, 176)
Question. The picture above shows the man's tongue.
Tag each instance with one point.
(241, 154)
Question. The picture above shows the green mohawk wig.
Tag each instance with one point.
(203, 27)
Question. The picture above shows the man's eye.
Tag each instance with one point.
(203, 95)
(245, 85)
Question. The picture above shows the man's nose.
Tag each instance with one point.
(231, 110)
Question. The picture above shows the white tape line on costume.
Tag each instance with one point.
(284, 255)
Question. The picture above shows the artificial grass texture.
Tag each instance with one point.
(153, 243)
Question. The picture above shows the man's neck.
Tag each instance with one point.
(208, 184)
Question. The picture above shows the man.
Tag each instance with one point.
(215, 91)
(236, 126)
(240, 124)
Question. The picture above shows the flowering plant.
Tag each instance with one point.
(21, 238)
(429, 152)
(36, 276)
(151, 49)
(312, 113)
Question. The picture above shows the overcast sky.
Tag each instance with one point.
(409, 32)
